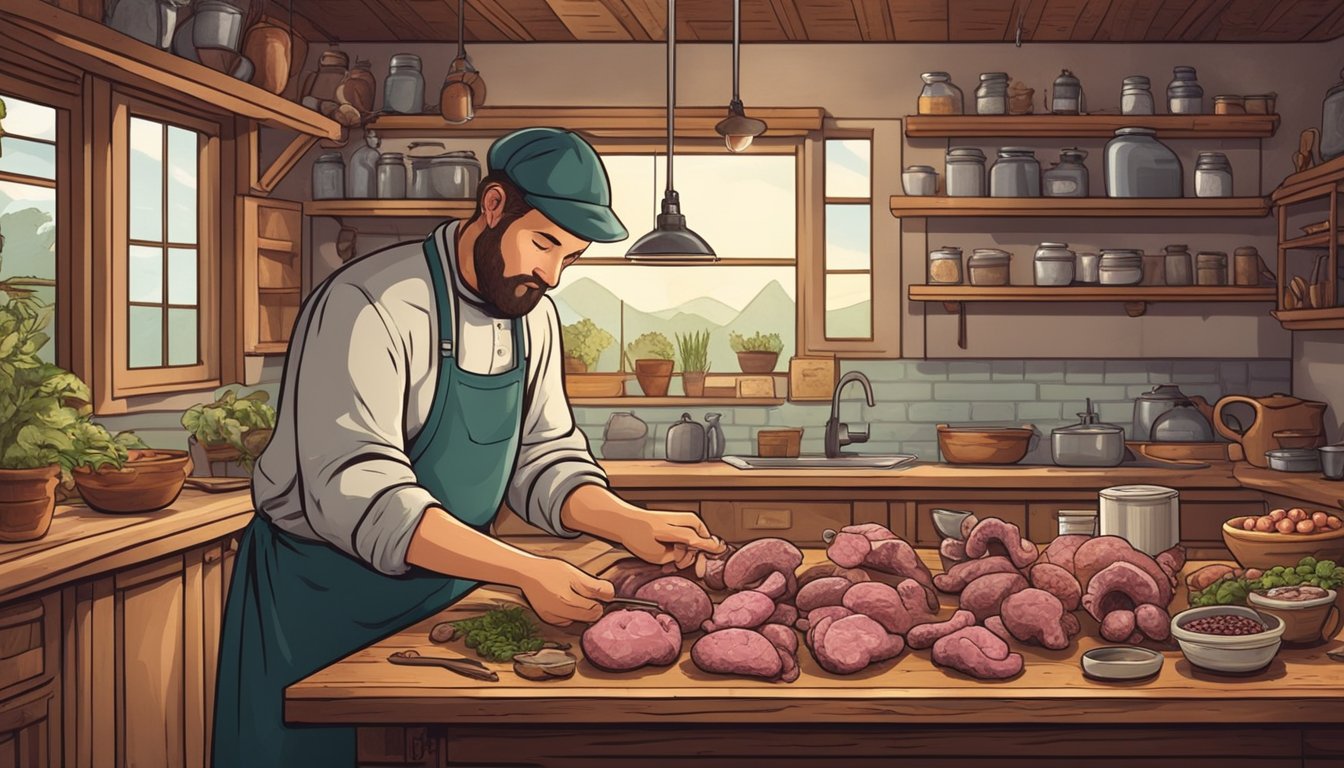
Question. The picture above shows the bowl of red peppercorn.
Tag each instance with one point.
(1228, 638)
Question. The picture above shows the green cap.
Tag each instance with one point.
(560, 175)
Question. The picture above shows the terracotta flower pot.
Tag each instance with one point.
(654, 376)
(575, 365)
(757, 362)
(27, 500)
(149, 481)
(693, 382)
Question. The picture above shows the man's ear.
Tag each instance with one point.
(492, 205)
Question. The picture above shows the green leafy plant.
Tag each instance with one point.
(651, 345)
(693, 349)
(234, 421)
(585, 341)
(1232, 590)
(94, 447)
(758, 342)
(500, 634)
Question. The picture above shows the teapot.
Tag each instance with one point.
(1158, 401)
(1281, 421)
(686, 440)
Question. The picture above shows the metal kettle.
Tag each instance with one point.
(1182, 424)
(714, 439)
(686, 441)
(1160, 399)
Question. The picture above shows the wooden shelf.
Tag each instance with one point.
(1090, 126)
(437, 209)
(1318, 240)
(671, 402)
(1331, 319)
(1310, 184)
(629, 122)
(1103, 207)
(93, 47)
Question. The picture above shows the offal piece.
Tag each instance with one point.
(1061, 550)
(925, 635)
(758, 559)
(882, 603)
(968, 524)
(628, 575)
(624, 640)
(1153, 621)
(977, 652)
(995, 624)
(1172, 560)
(774, 586)
(785, 641)
(848, 549)
(815, 616)
(1118, 626)
(985, 595)
(681, 597)
(825, 591)
(784, 614)
(1120, 585)
(827, 570)
(737, 651)
(915, 598)
(747, 609)
(951, 552)
(1058, 582)
(1000, 537)
(1103, 551)
(961, 574)
(898, 558)
(1035, 616)
(848, 645)
(713, 566)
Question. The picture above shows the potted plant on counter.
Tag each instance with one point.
(119, 474)
(583, 343)
(231, 431)
(758, 353)
(652, 354)
(693, 349)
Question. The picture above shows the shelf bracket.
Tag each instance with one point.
(958, 308)
(283, 164)
(1136, 308)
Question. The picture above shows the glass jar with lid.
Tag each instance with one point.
(1138, 165)
(1211, 268)
(392, 176)
(404, 86)
(991, 97)
(919, 180)
(989, 266)
(1185, 96)
(1121, 266)
(1229, 105)
(1054, 264)
(964, 172)
(1016, 173)
(1136, 96)
(1177, 265)
(1066, 95)
(939, 96)
(1213, 175)
(361, 180)
(1068, 177)
(945, 266)
(329, 176)
(1332, 121)
(1087, 267)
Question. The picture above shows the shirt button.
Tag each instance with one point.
(499, 353)
(500, 326)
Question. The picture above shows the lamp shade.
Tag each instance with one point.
(671, 241)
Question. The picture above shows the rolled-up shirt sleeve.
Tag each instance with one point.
(360, 491)
(553, 459)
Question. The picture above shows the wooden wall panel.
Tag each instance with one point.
(152, 672)
(982, 19)
(918, 19)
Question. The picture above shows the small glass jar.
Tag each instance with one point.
(988, 266)
(1016, 173)
(1211, 268)
(1229, 105)
(1138, 165)
(392, 176)
(1177, 265)
(1087, 267)
(1136, 96)
(939, 96)
(1068, 177)
(1120, 267)
(404, 86)
(945, 266)
(1066, 95)
(919, 180)
(1261, 103)
(1077, 522)
(1185, 96)
(1213, 175)
(361, 182)
(1054, 264)
(1246, 264)
(991, 97)
(329, 176)
(964, 172)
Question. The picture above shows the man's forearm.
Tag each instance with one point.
(446, 545)
(596, 511)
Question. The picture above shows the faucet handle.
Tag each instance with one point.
(857, 435)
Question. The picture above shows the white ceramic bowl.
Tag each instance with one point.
(1228, 653)
(1121, 662)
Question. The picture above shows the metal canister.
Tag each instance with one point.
(1185, 96)
(1229, 105)
(945, 266)
(1213, 175)
(1246, 263)
(1068, 177)
(392, 176)
(1017, 173)
(1136, 96)
(1088, 269)
(1066, 96)
(404, 86)
(964, 173)
(991, 97)
(1054, 264)
(1211, 268)
(1178, 269)
(988, 266)
(1147, 516)
(1121, 267)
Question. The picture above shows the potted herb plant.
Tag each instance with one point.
(120, 474)
(583, 343)
(693, 349)
(233, 430)
(758, 353)
(652, 354)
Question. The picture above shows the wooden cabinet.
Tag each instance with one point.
(271, 250)
(801, 522)
(29, 729)
(29, 693)
(926, 535)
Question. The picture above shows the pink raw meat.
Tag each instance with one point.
(758, 559)
(848, 645)
(962, 574)
(774, 586)
(682, 598)
(784, 614)
(984, 595)
(977, 652)
(1000, 537)
(848, 550)
(781, 636)
(737, 651)
(747, 610)
(925, 635)
(624, 640)
(826, 591)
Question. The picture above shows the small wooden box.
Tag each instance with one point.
(756, 386)
(812, 378)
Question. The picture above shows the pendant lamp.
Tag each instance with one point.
(463, 88)
(671, 242)
(737, 129)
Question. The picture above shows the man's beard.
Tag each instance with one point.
(500, 291)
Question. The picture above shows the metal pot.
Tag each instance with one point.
(217, 25)
(1088, 443)
(686, 441)
(1162, 398)
(1147, 516)
(1294, 459)
(1184, 423)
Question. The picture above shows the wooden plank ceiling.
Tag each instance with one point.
(832, 20)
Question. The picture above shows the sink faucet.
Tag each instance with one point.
(838, 433)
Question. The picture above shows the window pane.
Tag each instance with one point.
(146, 180)
(848, 239)
(146, 274)
(28, 224)
(181, 276)
(672, 300)
(849, 307)
(146, 337)
(183, 331)
(24, 118)
(635, 197)
(848, 167)
(182, 170)
(30, 158)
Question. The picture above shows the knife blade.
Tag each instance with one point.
(635, 603)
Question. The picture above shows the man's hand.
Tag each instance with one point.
(666, 537)
(561, 594)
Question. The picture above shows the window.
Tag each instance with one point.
(745, 206)
(848, 257)
(28, 205)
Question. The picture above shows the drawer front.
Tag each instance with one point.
(28, 642)
(1202, 521)
(799, 522)
(927, 536)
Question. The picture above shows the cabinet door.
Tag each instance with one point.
(271, 250)
(801, 522)
(28, 730)
(927, 536)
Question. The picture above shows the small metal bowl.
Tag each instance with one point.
(1294, 460)
(948, 522)
(1121, 662)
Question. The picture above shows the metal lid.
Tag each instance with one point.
(330, 157)
(1179, 71)
(966, 152)
(1135, 130)
(946, 251)
(1088, 425)
(1139, 493)
(391, 158)
(1066, 78)
(920, 169)
(405, 60)
(1163, 393)
(1017, 152)
(1138, 80)
(1072, 153)
(1177, 248)
(988, 257)
(993, 75)
(1211, 258)
(935, 77)
(1229, 98)
(1054, 245)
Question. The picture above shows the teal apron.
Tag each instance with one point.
(296, 605)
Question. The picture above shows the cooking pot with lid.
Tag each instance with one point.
(1088, 443)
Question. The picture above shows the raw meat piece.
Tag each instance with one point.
(897, 557)
(826, 570)
(781, 636)
(882, 603)
(1103, 551)
(915, 599)
(1035, 616)
(1071, 624)
(925, 635)
(1118, 626)
(737, 651)
(747, 609)
(774, 586)
(968, 524)
(1172, 560)
(758, 559)
(848, 550)
(714, 565)
(1062, 549)
(624, 640)
(983, 596)
(789, 670)
(995, 624)
(628, 575)
(977, 652)
(961, 574)
(1058, 582)
(871, 531)
(1153, 621)
(951, 552)
(847, 645)
(1121, 585)
(815, 616)
(827, 591)
(1202, 578)
(682, 598)
(784, 614)
(995, 536)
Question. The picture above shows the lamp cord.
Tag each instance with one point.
(461, 28)
(737, 25)
(671, 83)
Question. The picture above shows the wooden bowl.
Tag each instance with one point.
(1257, 549)
(984, 445)
(149, 481)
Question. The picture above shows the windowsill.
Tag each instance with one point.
(179, 399)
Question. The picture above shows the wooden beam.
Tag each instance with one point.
(789, 19)
(628, 19)
(1330, 27)
(339, 17)
(652, 20)
(981, 21)
(590, 20)
(278, 170)
(494, 12)
(400, 19)
(918, 20)
(628, 122)
(1089, 20)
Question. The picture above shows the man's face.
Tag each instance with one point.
(517, 261)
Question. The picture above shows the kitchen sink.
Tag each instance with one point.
(855, 461)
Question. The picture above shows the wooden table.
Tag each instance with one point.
(1287, 715)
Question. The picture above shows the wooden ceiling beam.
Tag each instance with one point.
(627, 18)
(1140, 19)
(1329, 27)
(870, 15)
(494, 12)
(790, 20)
(913, 20)
(403, 22)
(590, 20)
(652, 19)
(984, 20)
(1196, 18)
(341, 16)
(1089, 20)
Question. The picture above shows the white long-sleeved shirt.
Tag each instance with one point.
(358, 385)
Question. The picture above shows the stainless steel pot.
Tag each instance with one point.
(1182, 424)
(1147, 516)
(1088, 443)
(1152, 404)
(1294, 460)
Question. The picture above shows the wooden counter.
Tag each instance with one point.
(1306, 486)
